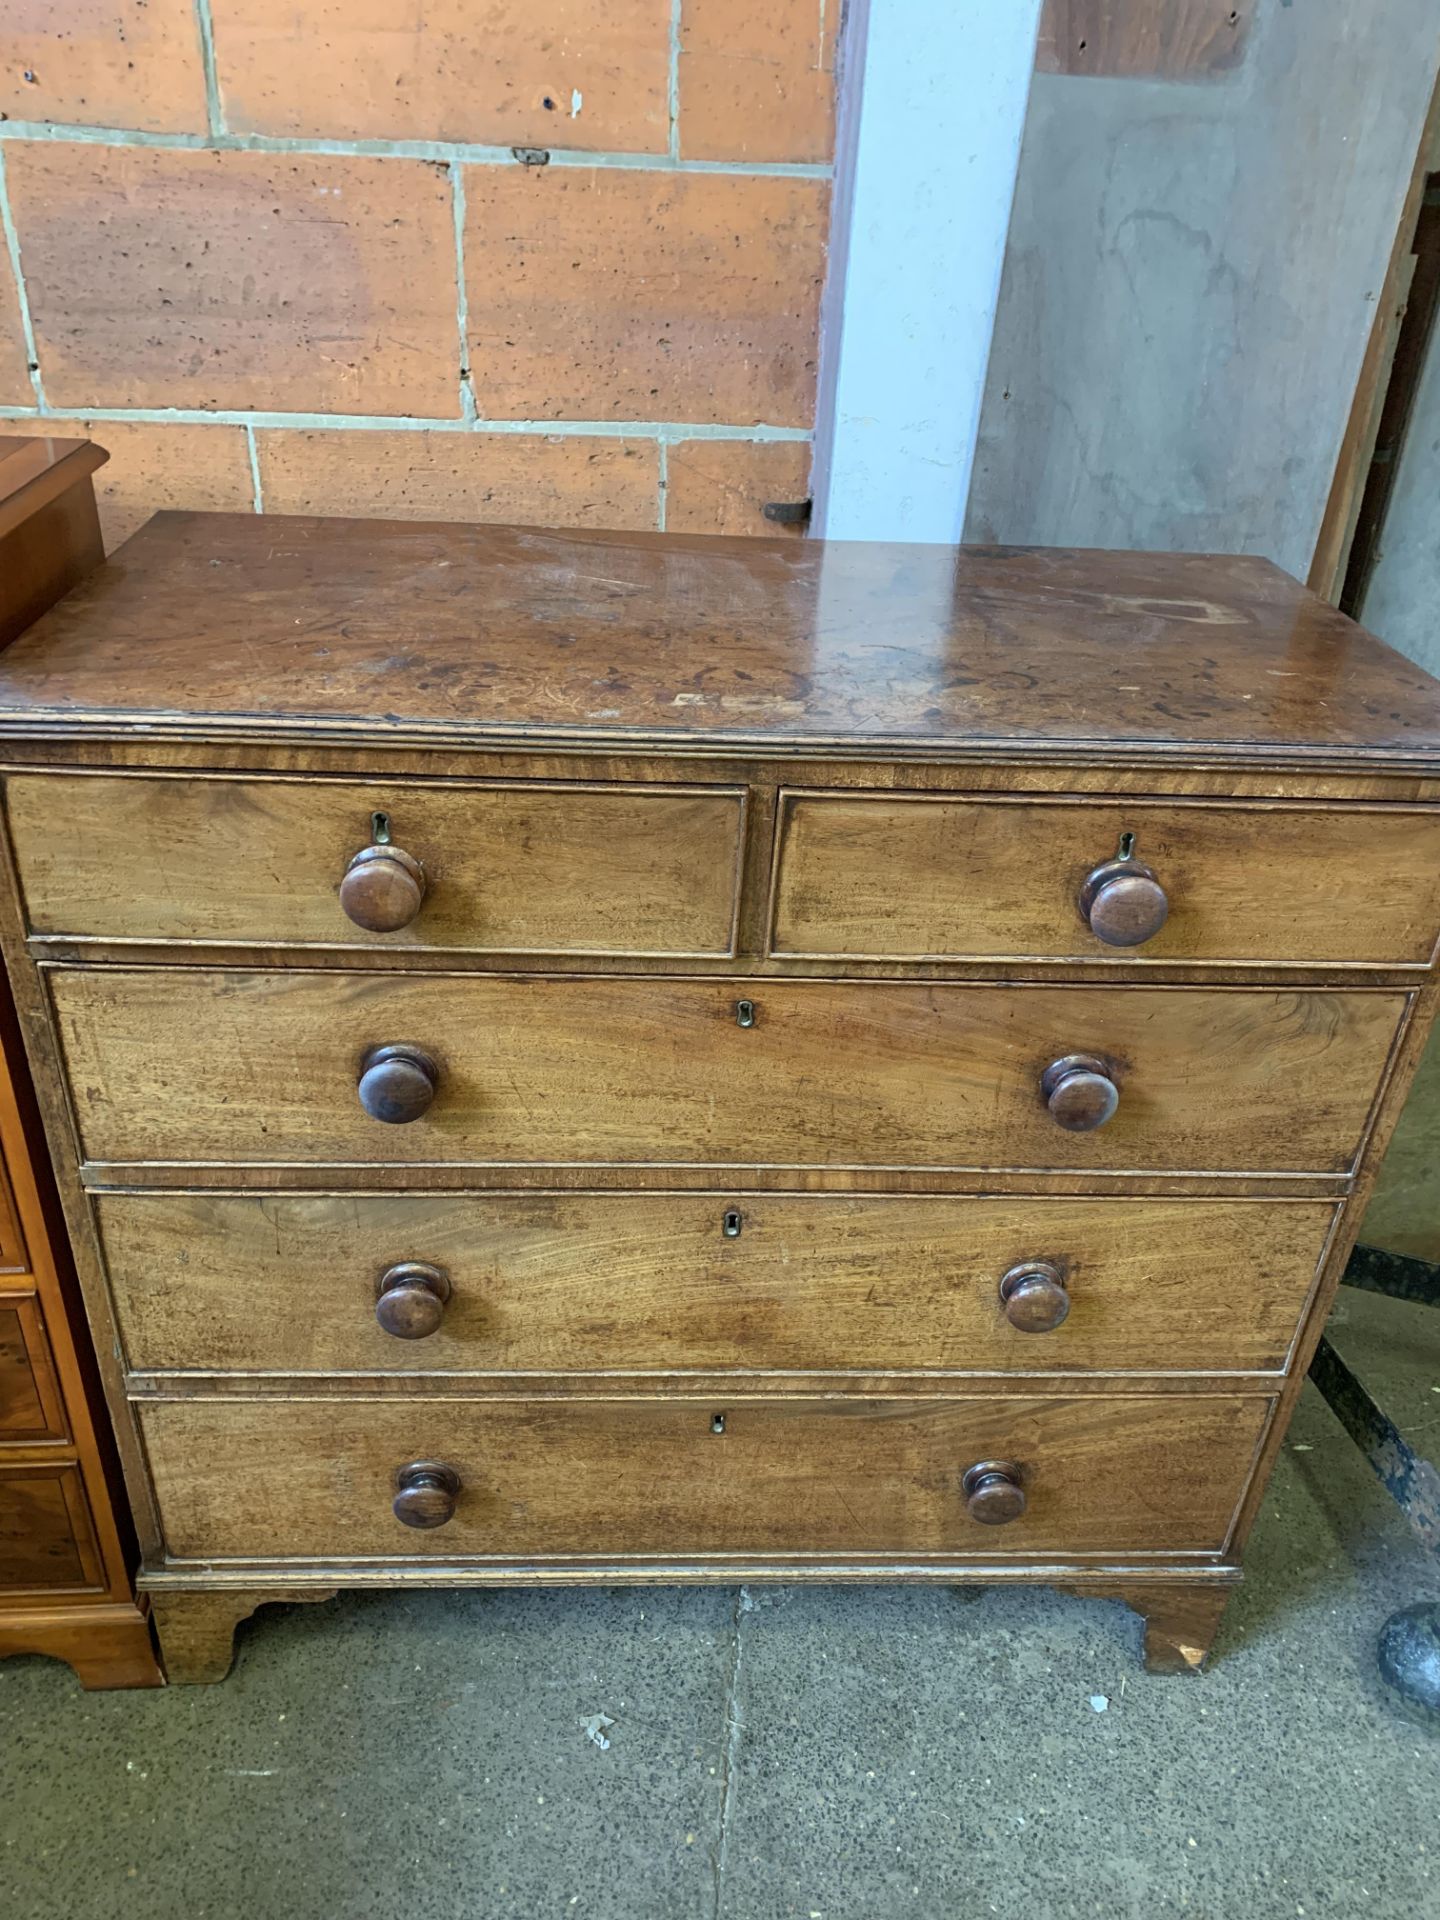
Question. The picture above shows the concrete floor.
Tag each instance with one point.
(832, 1752)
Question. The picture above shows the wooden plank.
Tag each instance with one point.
(1176, 40)
(1331, 558)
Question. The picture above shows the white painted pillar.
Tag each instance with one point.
(932, 113)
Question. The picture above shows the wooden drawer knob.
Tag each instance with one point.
(1124, 903)
(410, 1299)
(426, 1493)
(397, 1084)
(1035, 1297)
(382, 889)
(993, 1493)
(1079, 1092)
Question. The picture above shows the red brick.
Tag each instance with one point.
(607, 294)
(537, 479)
(449, 70)
(156, 466)
(103, 63)
(757, 79)
(15, 387)
(720, 486)
(245, 280)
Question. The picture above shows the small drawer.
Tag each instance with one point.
(31, 1408)
(492, 868)
(1102, 1474)
(47, 1539)
(543, 1283)
(872, 877)
(13, 1257)
(184, 1065)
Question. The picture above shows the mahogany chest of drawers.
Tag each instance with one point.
(579, 1058)
(65, 1549)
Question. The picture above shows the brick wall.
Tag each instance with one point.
(282, 254)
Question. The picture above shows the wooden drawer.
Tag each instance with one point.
(1102, 1474)
(218, 1065)
(541, 1283)
(13, 1257)
(509, 868)
(31, 1408)
(880, 877)
(47, 1539)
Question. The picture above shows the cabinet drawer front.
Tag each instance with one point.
(918, 878)
(507, 868)
(30, 1404)
(13, 1257)
(203, 1065)
(1102, 1474)
(619, 1282)
(46, 1537)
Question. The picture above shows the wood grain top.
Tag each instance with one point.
(225, 626)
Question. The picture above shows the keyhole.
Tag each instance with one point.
(380, 829)
(1127, 846)
(717, 1423)
(730, 1225)
(744, 1013)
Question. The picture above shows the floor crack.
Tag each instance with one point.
(730, 1753)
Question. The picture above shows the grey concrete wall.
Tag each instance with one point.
(1189, 284)
(1402, 602)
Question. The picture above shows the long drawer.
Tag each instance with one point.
(505, 867)
(1099, 1474)
(870, 876)
(673, 1282)
(214, 1065)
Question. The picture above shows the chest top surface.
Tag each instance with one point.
(226, 626)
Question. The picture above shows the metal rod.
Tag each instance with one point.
(1412, 1482)
(1397, 1275)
